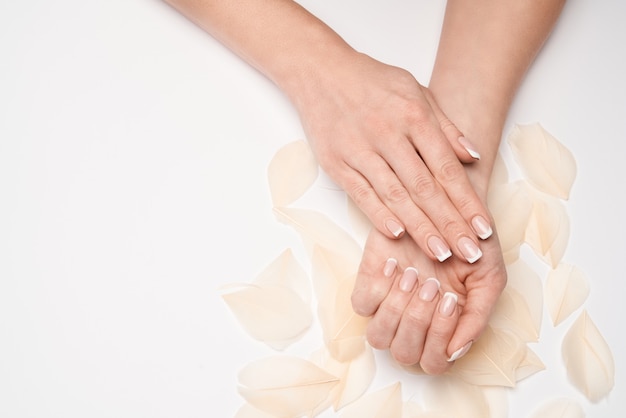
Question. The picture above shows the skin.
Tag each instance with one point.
(486, 47)
(365, 120)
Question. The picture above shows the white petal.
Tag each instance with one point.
(275, 315)
(315, 228)
(547, 164)
(355, 375)
(361, 225)
(510, 205)
(527, 283)
(512, 312)
(285, 386)
(291, 172)
(530, 364)
(499, 174)
(493, 359)
(286, 271)
(384, 403)
(548, 228)
(469, 401)
(567, 289)
(588, 359)
(559, 408)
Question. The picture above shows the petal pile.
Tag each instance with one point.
(566, 290)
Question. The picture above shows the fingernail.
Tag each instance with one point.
(408, 279)
(482, 227)
(390, 267)
(469, 249)
(448, 304)
(460, 352)
(439, 248)
(394, 227)
(429, 289)
(469, 147)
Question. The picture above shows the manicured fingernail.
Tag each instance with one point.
(448, 304)
(469, 249)
(408, 279)
(469, 147)
(439, 248)
(482, 227)
(460, 352)
(394, 227)
(429, 289)
(390, 267)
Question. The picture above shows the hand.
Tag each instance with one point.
(379, 134)
(431, 317)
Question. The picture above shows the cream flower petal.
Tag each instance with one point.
(559, 408)
(285, 386)
(384, 403)
(524, 280)
(361, 225)
(510, 205)
(566, 290)
(355, 376)
(469, 401)
(512, 312)
(499, 174)
(249, 411)
(315, 228)
(275, 315)
(548, 228)
(530, 364)
(493, 359)
(286, 271)
(547, 164)
(588, 359)
(291, 172)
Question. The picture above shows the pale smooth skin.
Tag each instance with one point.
(485, 49)
(364, 120)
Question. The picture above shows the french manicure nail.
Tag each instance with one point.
(429, 289)
(439, 248)
(469, 147)
(448, 304)
(482, 227)
(390, 267)
(460, 352)
(394, 227)
(408, 279)
(469, 249)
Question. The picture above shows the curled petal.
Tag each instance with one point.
(285, 386)
(566, 290)
(291, 172)
(384, 403)
(547, 164)
(559, 408)
(588, 359)
(510, 205)
(526, 282)
(548, 228)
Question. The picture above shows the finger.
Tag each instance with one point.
(434, 203)
(434, 359)
(362, 193)
(463, 148)
(474, 317)
(373, 282)
(382, 327)
(441, 161)
(396, 197)
(408, 343)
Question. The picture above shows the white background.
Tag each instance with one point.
(133, 153)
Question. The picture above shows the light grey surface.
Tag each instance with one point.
(133, 150)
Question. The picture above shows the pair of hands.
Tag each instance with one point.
(382, 137)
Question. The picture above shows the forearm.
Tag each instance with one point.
(278, 37)
(486, 47)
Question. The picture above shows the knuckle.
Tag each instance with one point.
(360, 192)
(396, 193)
(450, 170)
(377, 339)
(417, 319)
(424, 187)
